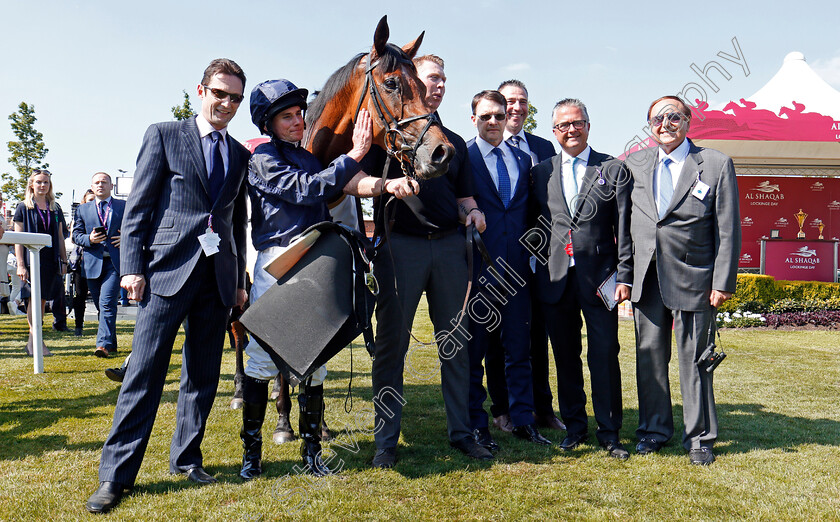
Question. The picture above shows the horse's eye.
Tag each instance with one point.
(391, 84)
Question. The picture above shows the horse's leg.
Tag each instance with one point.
(283, 432)
(237, 340)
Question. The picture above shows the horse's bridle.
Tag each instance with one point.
(405, 154)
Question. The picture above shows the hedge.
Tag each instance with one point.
(759, 293)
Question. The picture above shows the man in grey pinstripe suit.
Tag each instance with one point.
(686, 235)
(183, 258)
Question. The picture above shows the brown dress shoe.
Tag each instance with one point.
(101, 352)
(502, 422)
(549, 420)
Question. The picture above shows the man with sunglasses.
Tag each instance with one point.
(500, 174)
(539, 149)
(686, 235)
(183, 259)
(581, 200)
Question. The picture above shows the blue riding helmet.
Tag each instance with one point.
(274, 96)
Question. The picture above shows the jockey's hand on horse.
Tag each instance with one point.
(402, 187)
(362, 136)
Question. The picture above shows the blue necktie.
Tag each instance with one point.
(217, 166)
(666, 187)
(504, 177)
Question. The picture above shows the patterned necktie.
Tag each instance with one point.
(217, 166)
(666, 187)
(103, 217)
(514, 140)
(504, 177)
(570, 186)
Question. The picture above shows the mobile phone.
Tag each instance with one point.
(99, 230)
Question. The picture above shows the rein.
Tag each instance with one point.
(406, 153)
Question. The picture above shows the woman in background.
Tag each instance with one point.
(40, 213)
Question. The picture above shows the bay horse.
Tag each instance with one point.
(385, 82)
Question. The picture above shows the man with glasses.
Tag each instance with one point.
(687, 238)
(539, 149)
(500, 173)
(583, 196)
(183, 260)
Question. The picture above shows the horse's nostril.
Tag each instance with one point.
(441, 154)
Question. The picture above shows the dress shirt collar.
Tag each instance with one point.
(583, 156)
(486, 148)
(106, 199)
(204, 127)
(677, 155)
(506, 135)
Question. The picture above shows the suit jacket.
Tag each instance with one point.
(600, 226)
(87, 218)
(697, 243)
(540, 146)
(504, 225)
(169, 207)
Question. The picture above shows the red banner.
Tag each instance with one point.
(800, 259)
(771, 203)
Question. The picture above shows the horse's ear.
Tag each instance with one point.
(380, 37)
(410, 49)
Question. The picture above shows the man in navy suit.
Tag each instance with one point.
(581, 203)
(500, 304)
(183, 260)
(101, 256)
(539, 149)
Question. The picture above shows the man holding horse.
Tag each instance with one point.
(425, 252)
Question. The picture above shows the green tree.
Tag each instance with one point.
(531, 121)
(26, 154)
(185, 110)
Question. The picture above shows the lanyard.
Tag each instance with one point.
(103, 216)
(45, 221)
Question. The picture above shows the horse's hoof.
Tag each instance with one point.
(236, 403)
(282, 437)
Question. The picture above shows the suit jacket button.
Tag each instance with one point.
(659, 225)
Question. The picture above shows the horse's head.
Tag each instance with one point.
(395, 97)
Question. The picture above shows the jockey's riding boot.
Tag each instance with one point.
(283, 432)
(311, 400)
(255, 394)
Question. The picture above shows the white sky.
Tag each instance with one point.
(99, 72)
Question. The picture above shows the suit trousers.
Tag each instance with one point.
(653, 353)
(105, 290)
(494, 366)
(563, 320)
(506, 331)
(198, 305)
(438, 267)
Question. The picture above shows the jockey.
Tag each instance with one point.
(289, 192)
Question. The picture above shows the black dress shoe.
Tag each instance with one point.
(647, 446)
(530, 433)
(60, 328)
(105, 498)
(468, 447)
(484, 439)
(616, 450)
(573, 440)
(701, 456)
(78, 331)
(199, 476)
(385, 458)
(115, 374)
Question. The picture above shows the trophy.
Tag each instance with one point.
(800, 218)
(820, 227)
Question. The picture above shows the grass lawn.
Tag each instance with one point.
(778, 452)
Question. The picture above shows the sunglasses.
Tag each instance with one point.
(38, 172)
(563, 127)
(221, 95)
(499, 116)
(673, 118)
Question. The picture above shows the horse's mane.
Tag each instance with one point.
(390, 60)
